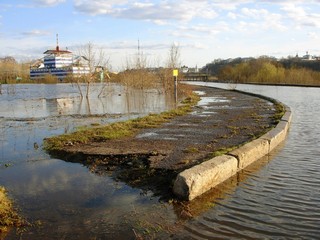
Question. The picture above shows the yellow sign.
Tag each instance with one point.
(175, 72)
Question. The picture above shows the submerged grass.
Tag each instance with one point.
(8, 215)
(118, 129)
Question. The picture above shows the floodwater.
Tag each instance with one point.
(66, 200)
(274, 198)
(278, 197)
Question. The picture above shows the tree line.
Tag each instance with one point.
(11, 71)
(266, 70)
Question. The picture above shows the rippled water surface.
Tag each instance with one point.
(279, 197)
(274, 198)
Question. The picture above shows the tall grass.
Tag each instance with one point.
(146, 79)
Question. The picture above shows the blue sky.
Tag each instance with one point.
(204, 29)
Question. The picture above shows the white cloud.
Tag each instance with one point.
(36, 32)
(228, 4)
(254, 13)
(311, 20)
(313, 35)
(274, 21)
(48, 2)
(256, 20)
(301, 16)
(181, 33)
(232, 15)
(293, 11)
(199, 29)
(196, 45)
(97, 7)
(5, 7)
(248, 27)
(132, 45)
(181, 10)
(160, 22)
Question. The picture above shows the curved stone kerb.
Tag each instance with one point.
(197, 180)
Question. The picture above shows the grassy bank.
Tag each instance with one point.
(118, 129)
(8, 215)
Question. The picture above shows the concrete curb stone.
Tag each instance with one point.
(196, 180)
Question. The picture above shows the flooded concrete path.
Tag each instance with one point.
(220, 121)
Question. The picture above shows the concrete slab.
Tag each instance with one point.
(195, 181)
(250, 152)
(287, 116)
(276, 135)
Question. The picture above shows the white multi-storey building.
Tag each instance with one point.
(59, 63)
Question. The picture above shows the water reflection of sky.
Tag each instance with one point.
(67, 197)
(31, 101)
(54, 177)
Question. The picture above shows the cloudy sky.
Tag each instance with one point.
(204, 29)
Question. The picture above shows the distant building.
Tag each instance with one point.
(193, 70)
(185, 69)
(59, 63)
(308, 57)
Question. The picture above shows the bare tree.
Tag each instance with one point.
(96, 57)
(174, 56)
(172, 62)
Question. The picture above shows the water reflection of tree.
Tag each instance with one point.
(3, 136)
(86, 103)
(9, 89)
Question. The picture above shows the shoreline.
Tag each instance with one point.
(210, 81)
(263, 84)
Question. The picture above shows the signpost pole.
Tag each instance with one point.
(175, 78)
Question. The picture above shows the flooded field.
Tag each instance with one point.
(275, 198)
(66, 199)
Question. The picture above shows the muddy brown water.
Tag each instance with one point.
(275, 198)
